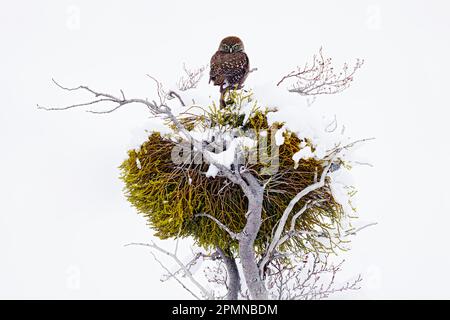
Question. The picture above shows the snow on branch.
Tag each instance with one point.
(156, 108)
(319, 77)
(311, 80)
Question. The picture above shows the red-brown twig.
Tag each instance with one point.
(319, 77)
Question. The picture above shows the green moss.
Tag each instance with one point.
(170, 195)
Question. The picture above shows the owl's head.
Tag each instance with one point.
(231, 44)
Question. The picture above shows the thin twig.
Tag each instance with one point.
(187, 272)
(174, 276)
(319, 77)
(287, 212)
(232, 234)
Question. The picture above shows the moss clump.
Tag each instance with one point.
(169, 195)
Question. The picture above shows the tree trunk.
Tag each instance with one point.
(255, 283)
(234, 281)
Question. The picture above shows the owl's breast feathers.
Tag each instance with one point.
(229, 68)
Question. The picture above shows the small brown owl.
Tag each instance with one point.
(229, 65)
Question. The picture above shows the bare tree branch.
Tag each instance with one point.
(313, 279)
(173, 94)
(311, 80)
(354, 232)
(160, 109)
(319, 77)
(191, 78)
(339, 148)
(332, 126)
(350, 232)
(287, 212)
(174, 276)
(292, 231)
(250, 186)
(232, 234)
(197, 256)
(234, 281)
(186, 271)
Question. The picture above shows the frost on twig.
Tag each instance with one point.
(319, 77)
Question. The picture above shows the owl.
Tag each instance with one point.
(229, 65)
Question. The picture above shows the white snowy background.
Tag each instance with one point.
(63, 217)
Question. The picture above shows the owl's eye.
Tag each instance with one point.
(225, 47)
(237, 48)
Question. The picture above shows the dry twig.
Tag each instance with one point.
(319, 77)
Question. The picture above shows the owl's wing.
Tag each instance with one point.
(216, 73)
(236, 66)
(230, 68)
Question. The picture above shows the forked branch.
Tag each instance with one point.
(319, 77)
(186, 271)
(156, 108)
(284, 218)
(191, 78)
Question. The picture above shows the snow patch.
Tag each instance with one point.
(246, 109)
(138, 164)
(340, 181)
(279, 138)
(212, 171)
(305, 153)
(226, 158)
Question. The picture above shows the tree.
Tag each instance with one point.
(257, 198)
